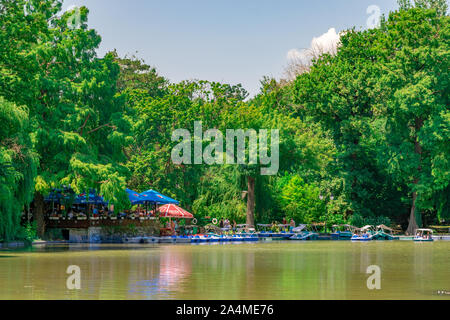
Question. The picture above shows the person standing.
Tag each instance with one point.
(176, 227)
(95, 212)
(292, 225)
(172, 227)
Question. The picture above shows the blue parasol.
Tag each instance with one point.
(135, 198)
(92, 199)
(59, 195)
(156, 197)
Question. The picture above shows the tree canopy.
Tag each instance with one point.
(364, 131)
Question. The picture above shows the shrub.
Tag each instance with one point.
(27, 232)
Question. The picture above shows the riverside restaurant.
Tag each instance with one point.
(157, 218)
(66, 210)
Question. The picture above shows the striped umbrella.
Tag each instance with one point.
(174, 211)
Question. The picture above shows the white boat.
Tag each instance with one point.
(424, 235)
(364, 234)
(364, 237)
(302, 234)
(385, 233)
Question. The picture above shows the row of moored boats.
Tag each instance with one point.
(341, 232)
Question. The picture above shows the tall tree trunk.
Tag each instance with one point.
(251, 202)
(412, 227)
(39, 214)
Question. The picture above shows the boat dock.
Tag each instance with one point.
(445, 237)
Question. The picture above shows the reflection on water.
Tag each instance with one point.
(277, 270)
(173, 270)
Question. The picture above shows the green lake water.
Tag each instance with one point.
(273, 270)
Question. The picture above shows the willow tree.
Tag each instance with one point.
(75, 114)
(17, 167)
(156, 116)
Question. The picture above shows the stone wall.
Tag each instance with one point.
(113, 234)
(79, 235)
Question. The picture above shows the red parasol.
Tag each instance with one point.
(173, 211)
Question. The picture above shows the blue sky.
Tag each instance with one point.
(232, 41)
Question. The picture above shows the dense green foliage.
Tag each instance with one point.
(17, 167)
(74, 111)
(385, 99)
(364, 134)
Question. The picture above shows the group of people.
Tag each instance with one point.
(291, 223)
(77, 211)
(172, 227)
(226, 224)
(276, 225)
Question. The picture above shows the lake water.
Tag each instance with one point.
(274, 270)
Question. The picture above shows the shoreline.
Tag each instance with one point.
(14, 245)
(162, 240)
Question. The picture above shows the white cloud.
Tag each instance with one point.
(326, 43)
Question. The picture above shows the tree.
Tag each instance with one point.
(339, 94)
(17, 167)
(52, 68)
(136, 75)
(415, 83)
(384, 98)
(220, 194)
(300, 201)
(154, 118)
(440, 5)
